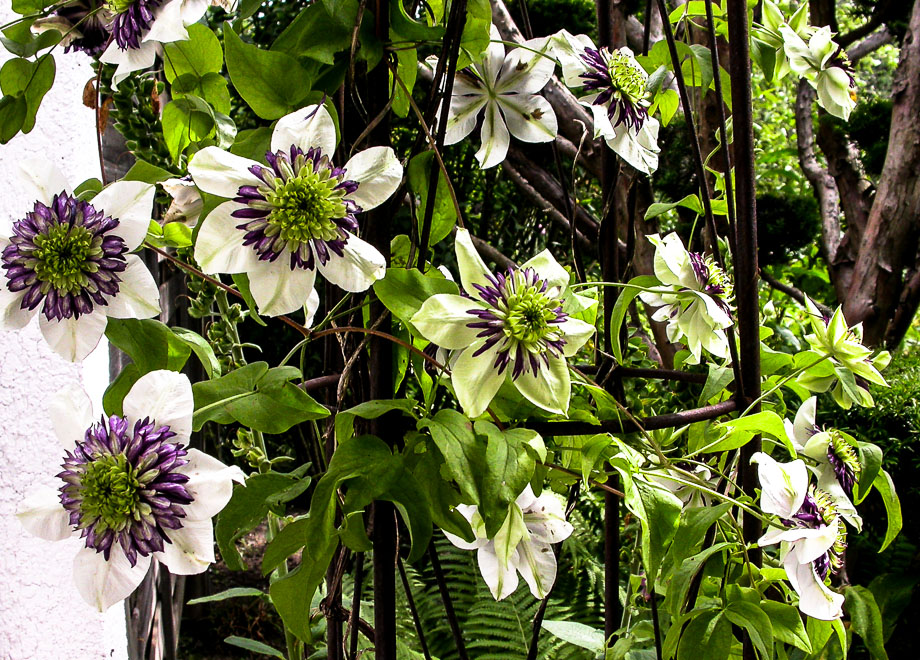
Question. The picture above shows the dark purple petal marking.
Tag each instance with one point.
(620, 84)
(132, 21)
(300, 211)
(65, 255)
(713, 280)
(122, 485)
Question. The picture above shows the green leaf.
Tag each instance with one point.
(787, 624)
(255, 646)
(235, 592)
(691, 202)
(885, 487)
(755, 621)
(738, 432)
(318, 34)
(866, 620)
(692, 527)
(242, 284)
(30, 80)
(202, 349)
(272, 83)
(255, 396)
(117, 390)
(475, 38)
(659, 517)
(578, 634)
(629, 292)
(870, 461)
(199, 55)
(667, 103)
(20, 40)
(404, 290)
(250, 505)
(708, 636)
(718, 379)
(184, 123)
(680, 580)
(445, 215)
(345, 420)
(252, 143)
(13, 110)
(144, 171)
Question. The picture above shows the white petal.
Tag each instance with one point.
(219, 246)
(279, 289)
(602, 126)
(130, 60)
(530, 118)
(166, 398)
(104, 583)
(537, 565)
(472, 268)
(491, 65)
(475, 379)
(577, 333)
(443, 318)
(461, 118)
(312, 306)
(193, 10)
(167, 24)
(569, 49)
(210, 484)
(138, 296)
(43, 516)
(192, 548)
(221, 173)
(311, 126)
(526, 71)
(131, 203)
(550, 389)
(378, 173)
(813, 543)
(815, 599)
(526, 499)
(495, 139)
(502, 580)
(465, 545)
(12, 315)
(74, 339)
(638, 149)
(545, 519)
(71, 413)
(550, 270)
(783, 485)
(42, 180)
(358, 269)
(804, 426)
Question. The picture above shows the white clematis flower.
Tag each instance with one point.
(294, 216)
(814, 537)
(824, 65)
(67, 261)
(187, 204)
(131, 489)
(849, 365)
(507, 88)
(695, 299)
(522, 545)
(615, 87)
(141, 26)
(837, 464)
(508, 325)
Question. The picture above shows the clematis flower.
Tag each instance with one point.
(850, 365)
(84, 24)
(522, 545)
(615, 90)
(294, 216)
(695, 299)
(141, 26)
(507, 87)
(131, 489)
(814, 538)
(513, 325)
(836, 461)
(69, 259)
(824, 65)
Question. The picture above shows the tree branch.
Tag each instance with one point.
(870, 44)
(792, 292)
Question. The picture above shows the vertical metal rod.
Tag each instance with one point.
(746, 250)
(413, 610)
(356, 605)
(448, 602)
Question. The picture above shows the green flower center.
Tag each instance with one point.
(626, 77)
(528, 316)
(119, 6)
(110, 491)
(844, 452)
(305, 207)
(63, 257)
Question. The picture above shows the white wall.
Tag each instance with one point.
(42, 617)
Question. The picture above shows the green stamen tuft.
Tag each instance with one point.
(63, 257)
(626, 77)
(845, 452)
(109, 489)
(305, 208)
(119, 6)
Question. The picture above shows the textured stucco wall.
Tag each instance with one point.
(42, 617)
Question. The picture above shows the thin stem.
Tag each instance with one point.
(448, 603)
(413, 610)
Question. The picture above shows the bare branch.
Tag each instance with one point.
(870, 44)
(792, 292)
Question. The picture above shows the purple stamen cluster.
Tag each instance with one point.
(87, 16)
(845, 474)
(130, 25)
(817, 512)
(259, 206)
(121, 485)
(66, 255)
(712, 283)
(522, 318)
(597, 79)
